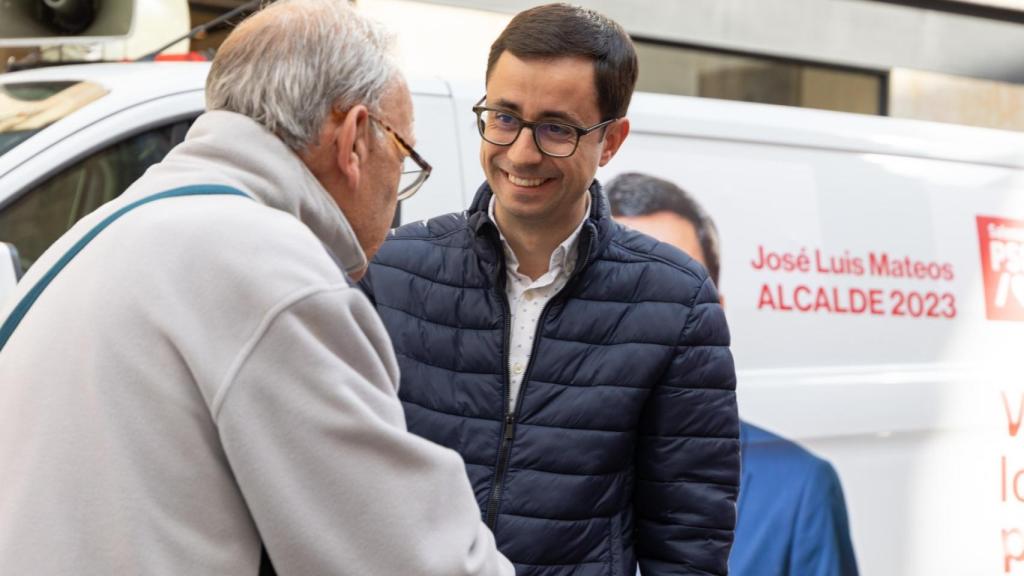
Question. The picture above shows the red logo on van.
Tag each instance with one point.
(1002, 267)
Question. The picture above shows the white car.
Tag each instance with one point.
(74, 137)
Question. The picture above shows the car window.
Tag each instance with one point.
(28, 107)
(44, 212)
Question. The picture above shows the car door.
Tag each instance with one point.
(74, 176)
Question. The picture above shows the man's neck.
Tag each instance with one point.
(534, 241)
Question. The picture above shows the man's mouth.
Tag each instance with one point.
(525, 182)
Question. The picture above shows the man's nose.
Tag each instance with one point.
(524, 150)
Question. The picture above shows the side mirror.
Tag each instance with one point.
(10, 269)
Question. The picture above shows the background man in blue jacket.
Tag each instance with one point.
(581, 370)
(792, 515)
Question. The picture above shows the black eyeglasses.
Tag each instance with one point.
(415, 170)
(555, 139)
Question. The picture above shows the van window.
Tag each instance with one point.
(696, 71)
(44, 212)
(28, 107)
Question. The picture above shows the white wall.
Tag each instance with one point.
(435, 40)
(860, 33)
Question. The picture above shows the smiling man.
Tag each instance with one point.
(581, 370)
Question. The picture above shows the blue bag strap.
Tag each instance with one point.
(30, 298)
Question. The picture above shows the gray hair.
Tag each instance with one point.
(289, 64)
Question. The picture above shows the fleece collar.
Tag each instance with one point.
(242, 153)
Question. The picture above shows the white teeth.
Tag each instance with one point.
(525, 182)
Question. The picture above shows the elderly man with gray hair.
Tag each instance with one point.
(190, 384)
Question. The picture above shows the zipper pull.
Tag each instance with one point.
(510, 422)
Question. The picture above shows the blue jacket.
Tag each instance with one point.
(792, 516)
(624, 442)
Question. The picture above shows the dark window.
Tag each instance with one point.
(28, 107)
(693, 71)
(44, 212)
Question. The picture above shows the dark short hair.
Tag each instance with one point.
(635, 194)
(559, 30)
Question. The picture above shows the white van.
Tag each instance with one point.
(873, 274)
(873, 271)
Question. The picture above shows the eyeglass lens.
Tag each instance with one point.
(411, 179)
(502, 128)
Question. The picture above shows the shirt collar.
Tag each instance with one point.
(563, 257)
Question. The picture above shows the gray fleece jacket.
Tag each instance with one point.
(202, 379)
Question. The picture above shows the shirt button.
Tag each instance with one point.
(517, 368)
(528, 296)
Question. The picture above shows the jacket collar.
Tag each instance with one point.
(594, 236)
(234, 149)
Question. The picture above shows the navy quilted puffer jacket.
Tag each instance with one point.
(623, 444)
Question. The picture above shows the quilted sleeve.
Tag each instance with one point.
(688, 458)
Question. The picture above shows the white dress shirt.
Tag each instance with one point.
(527, 298)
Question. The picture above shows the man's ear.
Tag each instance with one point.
(614, 138)
(353, 137)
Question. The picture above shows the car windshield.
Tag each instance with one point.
(28, 107)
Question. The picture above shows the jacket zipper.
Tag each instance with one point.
(508, 429)
(509, 422)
